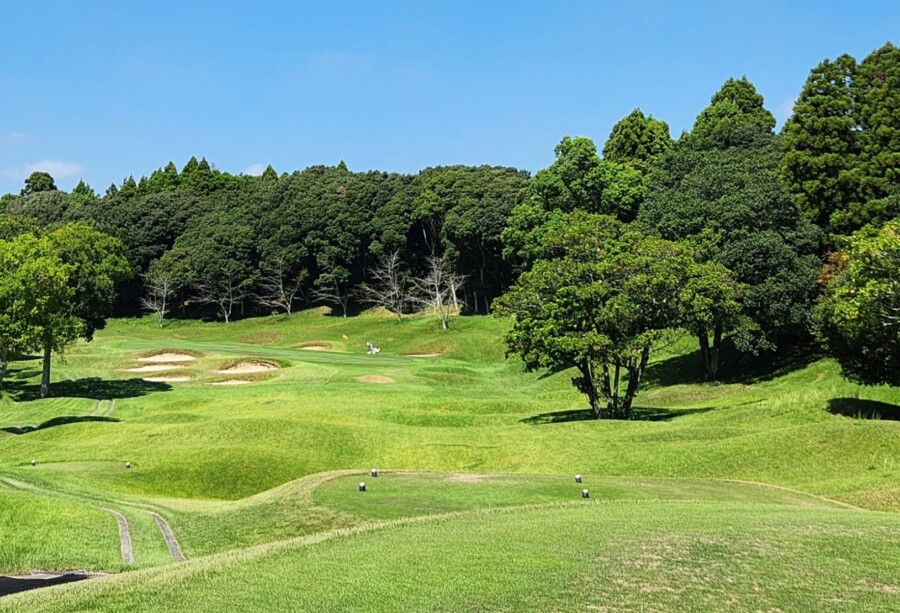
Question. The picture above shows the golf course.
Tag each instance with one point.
(208, 466)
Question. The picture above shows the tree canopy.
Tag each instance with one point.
(598, 299)
(859, 315)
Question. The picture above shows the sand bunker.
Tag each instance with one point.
(168, 357)
(153, 368)
(243, 368)
(374, 379)
(314, 347)
(232, 382)
(166, 379)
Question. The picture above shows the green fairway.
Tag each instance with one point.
(239, 470)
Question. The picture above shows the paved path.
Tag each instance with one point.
(112, 405)
(174, 549)
(124, 537)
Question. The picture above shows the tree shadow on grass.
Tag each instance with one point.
(89, 387)
(864, 409)
(735, 367)
(637, 414)
(57, 421)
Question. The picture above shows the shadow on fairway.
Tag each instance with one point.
(14, 585)
(57, 421)
(637, 414)
(864, 409)
(736, 368)
(89, 387)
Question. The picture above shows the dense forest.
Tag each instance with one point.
(761, 226)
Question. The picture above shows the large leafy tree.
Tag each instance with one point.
(34, 297)
(859, 315)
(97, 266)
(38, 182)
(720, 187)
(578, 180)
(598, 299)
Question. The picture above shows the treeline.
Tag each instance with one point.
(213, 235)
(768, 208)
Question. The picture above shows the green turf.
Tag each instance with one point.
(240, 466)
(660, 556)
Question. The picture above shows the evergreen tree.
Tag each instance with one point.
(821, 144)
(637, 141)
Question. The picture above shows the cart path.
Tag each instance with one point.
(171, 541)
(124, 537)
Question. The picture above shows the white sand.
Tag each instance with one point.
(232, 382)
(314, 347)
(166, 379)
(243, 368)
(154, 368)
(168, 357)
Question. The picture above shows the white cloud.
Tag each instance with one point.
(57, 169)
(784, 110)
(254, 170)
(14, 138)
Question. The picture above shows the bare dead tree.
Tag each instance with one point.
(224, 292)
(278, 288)
(390, 285)
(437, 290)
(159, 286)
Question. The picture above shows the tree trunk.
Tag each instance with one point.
(616, 373)
(705, 354)
(716, 351)
(3, 364)
(711, 354)
(587, 385)
(45, 373)
(607, 392)
(634, 379)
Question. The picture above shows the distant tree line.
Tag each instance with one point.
(748, 228)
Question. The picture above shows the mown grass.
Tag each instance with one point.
(238, 467)
(660, 556)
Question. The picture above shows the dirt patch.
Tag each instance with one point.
(423, 355)
(232, 382)
(244, 368)
(375, 379)
(314, 347)
(154, 368)
(166, 379)
(168, 357)
(466, 478)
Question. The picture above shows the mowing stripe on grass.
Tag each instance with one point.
(171, 541)
(124, 537)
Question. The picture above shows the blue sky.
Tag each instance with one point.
(105, 89)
